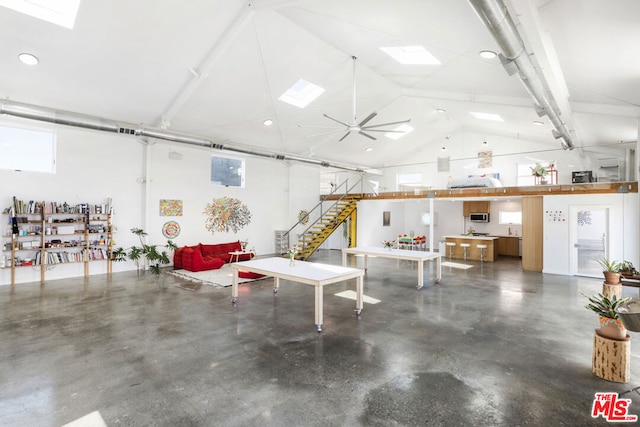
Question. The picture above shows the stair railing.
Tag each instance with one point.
(347, 191)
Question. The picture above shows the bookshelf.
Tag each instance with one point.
(43, 235)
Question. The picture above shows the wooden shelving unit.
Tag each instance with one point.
(45, 235)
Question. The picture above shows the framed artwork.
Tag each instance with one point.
(386, 218)
(485, 159)
(169, 207)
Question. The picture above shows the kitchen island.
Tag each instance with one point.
(473, 253)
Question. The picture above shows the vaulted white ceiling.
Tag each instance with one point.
(216, 68)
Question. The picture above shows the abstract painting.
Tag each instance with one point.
(226, 214)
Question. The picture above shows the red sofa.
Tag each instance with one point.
(207, 257)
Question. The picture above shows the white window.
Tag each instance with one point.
(23, 149)
(227, 172)
(409, 180)
(525, 177)
(509, 217)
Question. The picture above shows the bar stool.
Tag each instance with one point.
(451, 245)
(482, 248)
(465, 246)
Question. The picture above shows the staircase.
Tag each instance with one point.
(311, 239)
(324, 222)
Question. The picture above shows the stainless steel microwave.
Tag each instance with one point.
(479, 217)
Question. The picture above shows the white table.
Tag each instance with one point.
(381, 252)
(305, 272)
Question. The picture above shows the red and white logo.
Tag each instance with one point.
(612, 408)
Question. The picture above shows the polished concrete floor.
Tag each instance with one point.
(490, 345)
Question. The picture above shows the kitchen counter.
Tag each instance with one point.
(473, 253)
(467, 236)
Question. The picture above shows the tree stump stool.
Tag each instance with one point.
(611, 289)
(611, 358)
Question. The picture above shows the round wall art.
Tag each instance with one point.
(171, 229)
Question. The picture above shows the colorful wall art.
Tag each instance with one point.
(226, 214)
(169, 207)
(171, 229)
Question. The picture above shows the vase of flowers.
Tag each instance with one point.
(244, 244)
(388, 244)
(292, 253)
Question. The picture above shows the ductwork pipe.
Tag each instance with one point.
(514, 57)
(67, 118)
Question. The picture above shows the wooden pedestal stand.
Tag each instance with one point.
(611, 358)
(611, 289)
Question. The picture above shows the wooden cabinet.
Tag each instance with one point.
(476, 206)
(509, 246)
(48, 234)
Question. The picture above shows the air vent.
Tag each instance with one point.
(126, 131)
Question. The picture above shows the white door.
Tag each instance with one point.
(589, 234)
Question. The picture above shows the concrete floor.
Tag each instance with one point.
(488, 346)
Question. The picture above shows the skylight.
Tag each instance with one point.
(411, 55)
(402, 130)
(301, 94)
(59, 12)
(486, 116)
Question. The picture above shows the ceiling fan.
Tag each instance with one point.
(360, 127)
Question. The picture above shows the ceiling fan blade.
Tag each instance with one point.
(369, 117)
(335, 120)
(368, 136)
(345, 135)
(324, 133)
(382, 130)
(318, 126)
(389, 123)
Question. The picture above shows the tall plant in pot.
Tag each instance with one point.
(610, 269)
(606, 308)
(152, 256)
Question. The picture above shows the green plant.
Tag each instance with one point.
(153, 256)
(606, 307)
(608, 265)
(539, 170)
(627, 267)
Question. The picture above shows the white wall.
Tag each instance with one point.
(94, 166)
(90, 168)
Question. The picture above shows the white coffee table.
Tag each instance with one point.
(309, 273)
(419, 256)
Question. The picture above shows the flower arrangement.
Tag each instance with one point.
(388, 244)
(292, 251)
(470, 231)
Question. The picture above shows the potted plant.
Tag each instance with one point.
(150, 254)
(540, 171)
(610, 269)
(610, 324)
(626, 269)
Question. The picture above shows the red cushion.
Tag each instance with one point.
(177, 258)
(249, 275)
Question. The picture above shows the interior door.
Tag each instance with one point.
(589, 226)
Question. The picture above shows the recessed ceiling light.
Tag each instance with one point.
(59, 12)
(400, 131)
(538, 123)
(484, 142)
(368, 149)
(441, 110)
(268, 122)
(487, 54)
(411, 55)
(27, 58)
(486, 116)
(443, 148)
(301, 93)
